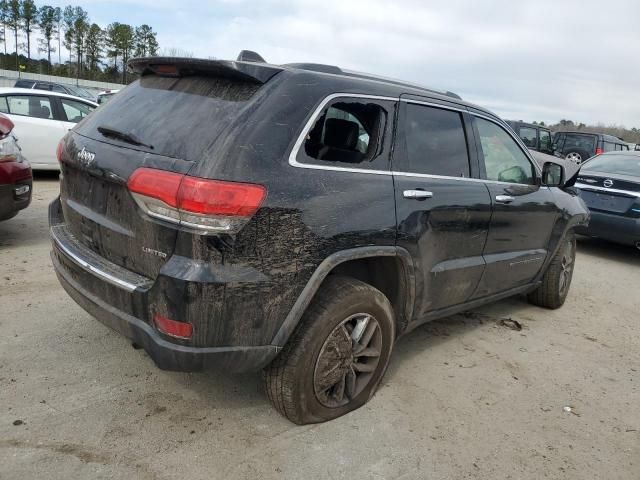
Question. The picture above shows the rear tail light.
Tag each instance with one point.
(599, 151)
(197, 203)
(173, 328)
(60, 150)
(9, 150)
(6, 125)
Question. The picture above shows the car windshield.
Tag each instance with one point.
(617, 164)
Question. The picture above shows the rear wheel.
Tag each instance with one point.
(557, 279)
(336, 358)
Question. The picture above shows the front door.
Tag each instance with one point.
(524, 212)
(443, 215)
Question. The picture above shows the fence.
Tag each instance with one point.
(8, 79)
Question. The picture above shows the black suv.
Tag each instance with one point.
(299, 219)
(535, 137)
(580, 146)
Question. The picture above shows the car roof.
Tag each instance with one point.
(33, 91)
(324, 76)
(526, 124)
(603, 135)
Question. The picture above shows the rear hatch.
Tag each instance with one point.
(165, 121)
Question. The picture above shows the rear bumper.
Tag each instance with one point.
(81, 273)
(615, 228)
(11, 202)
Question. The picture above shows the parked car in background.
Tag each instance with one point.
(105, 96)
(580, 146)
(307, 249)
(535, 137)
(73, 90)
(610, 186)
(41, 119)
(16, 179)
(637, 149)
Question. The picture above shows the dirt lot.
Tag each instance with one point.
(464, 397)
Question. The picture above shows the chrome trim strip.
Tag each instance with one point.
(90, 268)
(595, 188)
(309, 125)
(432, 104)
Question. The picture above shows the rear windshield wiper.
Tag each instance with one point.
(125, 137)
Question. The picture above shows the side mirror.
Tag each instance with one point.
(553, 175)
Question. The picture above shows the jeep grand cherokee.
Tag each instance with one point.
(299, 219)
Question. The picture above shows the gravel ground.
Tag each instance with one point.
(465, 397)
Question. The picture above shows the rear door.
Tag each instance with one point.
(72, 111)
(442, 213)
(35, 126)
(523, 211)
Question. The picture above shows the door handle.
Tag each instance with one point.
(417, 194)
(504, 199)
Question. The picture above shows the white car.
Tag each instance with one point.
(105, 96)
(41, 119)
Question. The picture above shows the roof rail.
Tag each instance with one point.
(401, 83)
(316, 67)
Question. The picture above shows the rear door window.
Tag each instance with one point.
(180, 117)
(349, 132)
(504, 160)
(30, 105)
(529, 136)
(432, 141)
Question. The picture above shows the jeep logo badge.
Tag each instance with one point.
(85, 157)
(608, 183)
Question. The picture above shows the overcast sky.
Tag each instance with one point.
(530, 60)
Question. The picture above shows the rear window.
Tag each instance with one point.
(616, 164)
(576, 140)
(179, 117)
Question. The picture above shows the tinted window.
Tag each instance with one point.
(30, 105)
(58, 88)
(180, 117)
(435, 142)
(545, 140)
(618, 164)
(608, 146)
(528, 136)
(24, 84)
(74, 110)
(43, 86)
(579, 141)
(503, 159)
(347, 132)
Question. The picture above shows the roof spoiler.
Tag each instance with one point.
(248, 71)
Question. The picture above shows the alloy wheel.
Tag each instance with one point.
(347, 360)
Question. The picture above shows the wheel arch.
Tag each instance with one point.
(377, 266)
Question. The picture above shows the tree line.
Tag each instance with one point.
(631, 135)
(95, 53)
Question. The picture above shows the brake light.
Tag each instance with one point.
(6, 125)
(599, 151)
(60, 150)
(173, 328)
(197, 203)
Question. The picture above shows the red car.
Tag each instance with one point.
(16, 179)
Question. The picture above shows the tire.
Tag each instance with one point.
(576, 156)
(557, 279)
(322, 360)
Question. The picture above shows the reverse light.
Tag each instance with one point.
(200, 204)
(173, 328)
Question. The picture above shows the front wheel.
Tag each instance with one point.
(336, 358)
(557, 279)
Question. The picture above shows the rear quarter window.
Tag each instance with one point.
(179, 117)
